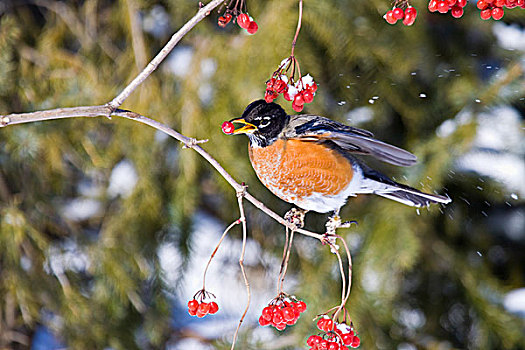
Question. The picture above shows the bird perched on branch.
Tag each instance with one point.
(308, 160)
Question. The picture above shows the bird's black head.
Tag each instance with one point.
(262, 122)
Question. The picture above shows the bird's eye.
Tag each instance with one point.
(264, 123)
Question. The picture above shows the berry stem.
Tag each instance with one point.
(345, 290)
(298, 26)
(240, 196)
(236, 222)
(284, 264)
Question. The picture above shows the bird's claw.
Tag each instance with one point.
(295, 216)
(334, 222)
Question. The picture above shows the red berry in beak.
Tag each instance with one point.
(228, 128)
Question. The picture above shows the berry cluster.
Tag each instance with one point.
(300, 93)
(238, 13)
(336, 336)
(201, 309)
(408, 15)
(281, 312)
(443, 6)
(494, 8)
(246, 22)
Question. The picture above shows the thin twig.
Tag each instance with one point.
(236, 222)
(343, 289)
(288, 248)
(298, 25)
(349, 255)
(285, 247)
(240, 195)
(155, 62)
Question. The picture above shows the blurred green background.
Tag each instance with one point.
(105, 225)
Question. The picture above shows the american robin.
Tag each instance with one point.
(308, 160)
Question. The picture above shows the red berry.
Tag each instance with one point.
(355, 342)
(482, 4)
(267, 313)
(456, 11)
(277, 317)
(410, 16)
(520, 3)
(288, 313)
(287, 96)
(409, 19)
(432, 5)
(243, 20)
(389, 17)
(192, 312)
(268, 96)
(313, 340)
(398, 13)
(280, 326)
(222, 21)
(499, 3)
(312, 87)
(451, 3)
(323, 344)
(333, 346)
(270, 83)
(227, 128)
(308, 96)
(347, 338)
(462, 3)
(301, 306)
(204, 308)
(327, 325)
(442, 7)
(321, 322)
(252, 27)
(296, 107)
(263, 322)
(410, 11)
(497, 13)
(213, 307)
(485, 14)
(194, 304)
(299, 99)
(280, 86)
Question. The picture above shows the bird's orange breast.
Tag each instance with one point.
(294, 169)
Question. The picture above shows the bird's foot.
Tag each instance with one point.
(334, 222)
(296, 216)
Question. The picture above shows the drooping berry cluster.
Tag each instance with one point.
(300, 91)
(198, 307)
(238, 13)
(494, 8)
(443, 6)
(201, 309)
(282, 311)
(335, 336)
(408, 15)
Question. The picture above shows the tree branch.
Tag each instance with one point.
(203, 12)
(97, 111)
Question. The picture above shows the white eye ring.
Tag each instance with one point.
(264, 124)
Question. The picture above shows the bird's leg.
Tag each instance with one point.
(334, 222)
(296, 216)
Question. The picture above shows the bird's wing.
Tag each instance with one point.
(353, 140)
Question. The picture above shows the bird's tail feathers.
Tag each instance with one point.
(401, 193)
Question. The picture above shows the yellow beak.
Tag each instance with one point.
(248, 128)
